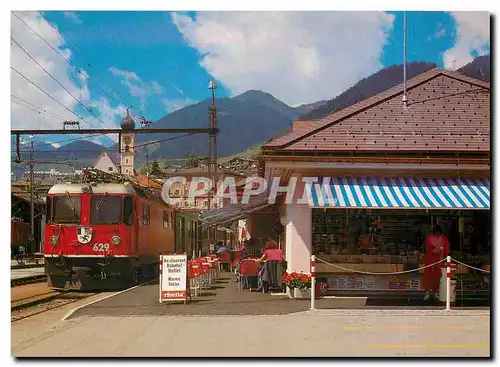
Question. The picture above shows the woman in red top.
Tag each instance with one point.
(272, 252)
(271, 271)
(437, 247)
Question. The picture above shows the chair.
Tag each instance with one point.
(214, 262)
(248, 268)
(225, 258)
(194, 273)
(207, 276)
(274, 270)
(236, 257)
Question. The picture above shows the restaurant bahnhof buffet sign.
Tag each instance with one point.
(173, 278)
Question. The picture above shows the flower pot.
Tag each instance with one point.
(299, 293)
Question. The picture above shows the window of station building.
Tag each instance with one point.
(398, 236)
(146, 214)
(66, 209)
(166, 220)
(362, 232)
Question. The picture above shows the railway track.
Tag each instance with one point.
(28, 280)
(43, 300)
(40, 303)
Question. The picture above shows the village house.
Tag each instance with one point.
(105, 163)
(180, 190)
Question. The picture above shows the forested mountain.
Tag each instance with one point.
(389, 77)
(245, 121)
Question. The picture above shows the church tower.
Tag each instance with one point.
(127, 145)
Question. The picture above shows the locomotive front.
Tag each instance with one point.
(89, 236)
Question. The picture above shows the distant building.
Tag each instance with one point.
(53, 175)
(181, 191)
(242, 165)
(105, 163)
(127, 146)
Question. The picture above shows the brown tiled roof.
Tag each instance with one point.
(446, 111)
(301, 124)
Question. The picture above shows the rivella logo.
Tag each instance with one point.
(177, 189)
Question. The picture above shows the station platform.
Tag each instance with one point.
(223, 298)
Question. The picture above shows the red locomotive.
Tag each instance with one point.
(102, 235)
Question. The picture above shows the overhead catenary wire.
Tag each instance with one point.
(78, 51)
(48, 95)
(162, 140)
(40, 109)
(64, 141)
(34, 110)
(60, 84)
(112, 149)
(78, 70)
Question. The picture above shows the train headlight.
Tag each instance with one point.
(115, 240)
(54, 239)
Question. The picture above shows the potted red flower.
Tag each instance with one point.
(299, 284)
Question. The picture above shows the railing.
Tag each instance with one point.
(449, 266)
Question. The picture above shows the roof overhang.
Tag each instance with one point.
(286, 164)
(233, 212)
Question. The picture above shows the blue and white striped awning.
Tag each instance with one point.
(411, 193)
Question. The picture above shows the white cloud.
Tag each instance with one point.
(129, 75)
(22, 117)
(176, 104)
(136, 86)
(441, 32)
(73, 16)
(472, 36)
(299, 57)
(107, 113)
(157, 88)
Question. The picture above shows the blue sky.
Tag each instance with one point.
(147, 43)
(158, 62)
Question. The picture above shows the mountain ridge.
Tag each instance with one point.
(245, 120)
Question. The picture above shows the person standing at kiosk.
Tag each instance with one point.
(437, 247)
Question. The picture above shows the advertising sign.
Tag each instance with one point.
(173, 278)
(373, 282)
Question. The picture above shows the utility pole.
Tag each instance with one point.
(212, 156)
(32, 201)
(405, 100)
(212, 143)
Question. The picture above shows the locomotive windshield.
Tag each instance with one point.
(66, 209)
(105, 209)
